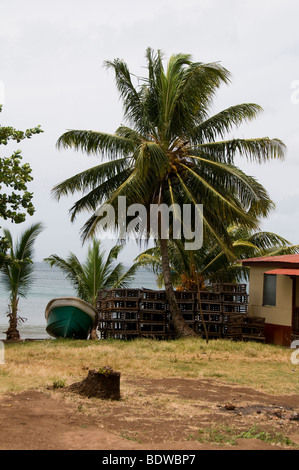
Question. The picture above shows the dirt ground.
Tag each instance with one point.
(161, 414)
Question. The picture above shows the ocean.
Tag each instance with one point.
(49, 283)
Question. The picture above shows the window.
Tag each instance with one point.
(269, 297)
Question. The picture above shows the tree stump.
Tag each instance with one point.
(102, 383)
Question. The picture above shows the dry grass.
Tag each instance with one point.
(40, 364)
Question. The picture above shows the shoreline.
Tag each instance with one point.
(29, 332)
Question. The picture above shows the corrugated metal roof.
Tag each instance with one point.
(284, 271)
(274, 259)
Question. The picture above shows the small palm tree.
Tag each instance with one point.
(16, 273)
(246, 244)
(211, 264)
(97, 272)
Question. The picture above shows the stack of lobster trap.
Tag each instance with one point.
(222, 312)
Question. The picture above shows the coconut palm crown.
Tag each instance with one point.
(100, 270)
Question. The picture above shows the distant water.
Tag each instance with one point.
(48, 284)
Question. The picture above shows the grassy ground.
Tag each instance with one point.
(168, 410)
(41, 364)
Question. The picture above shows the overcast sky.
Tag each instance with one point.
(51, 65)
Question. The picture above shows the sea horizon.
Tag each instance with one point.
(49, 283)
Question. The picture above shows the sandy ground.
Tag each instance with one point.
(161, 414)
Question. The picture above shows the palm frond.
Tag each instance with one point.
(266, 240)
(17, 276)
(93, 143)
(224, 122)
(98, 271)
(220, 237)
(133, 107)
(126, 277)
(238, 187)
(259, 150)
(197, 89)
(71, 268)
(90, 179)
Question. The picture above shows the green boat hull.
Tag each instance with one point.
(69, 321)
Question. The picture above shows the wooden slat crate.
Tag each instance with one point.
(151, 306)
(231, 319)
(211, 297)
(232, 332)
(153, 294)
(130, 313)
(234, 298)
(229, 288)
(153, 328)
(209, 317)
(186, 296)
(214, 330)
(110, 294)
(117, 304)
(145, 316)
(189, 317)
(209, 307)
(253, 328)
(186, 306)
(234, 308)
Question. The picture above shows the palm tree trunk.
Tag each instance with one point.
(93, 333)
(201, 314)
(13, 333)
(180, 326)
(194, 274)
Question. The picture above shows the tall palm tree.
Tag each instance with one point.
(168, 153)
(99, 271)
(211, 264)
(16, 274)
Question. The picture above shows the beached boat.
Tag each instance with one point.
(69, 317)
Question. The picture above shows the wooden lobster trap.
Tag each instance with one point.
(221, 311)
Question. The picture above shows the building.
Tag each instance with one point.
(274, 295)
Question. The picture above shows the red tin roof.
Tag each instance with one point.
(293, 259)
(285, 271)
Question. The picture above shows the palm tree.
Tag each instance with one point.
(97, 272)
(199, 270)
(246, 244)
(16, 274)
(211, 264)
(168, 153)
